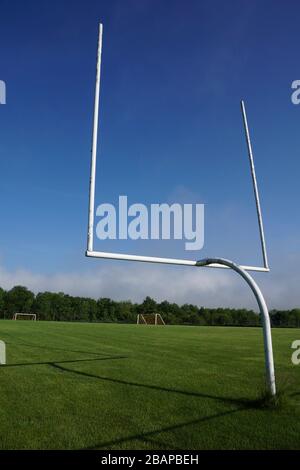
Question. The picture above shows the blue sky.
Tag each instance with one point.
(173, 74)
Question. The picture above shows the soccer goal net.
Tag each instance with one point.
(150, 319)
(24, 316)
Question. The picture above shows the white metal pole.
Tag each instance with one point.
(90, 241)
(2, 353)
(255, 187)
(155, 259)
(269, 359)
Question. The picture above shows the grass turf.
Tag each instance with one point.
(109, 386)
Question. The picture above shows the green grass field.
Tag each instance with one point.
(109, 386)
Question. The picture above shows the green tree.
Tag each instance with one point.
(2, 303)
(148, 306)
(18, 299)
(43, 306)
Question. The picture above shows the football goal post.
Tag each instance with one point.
(212, 262)
(24, 316)
(150, 319)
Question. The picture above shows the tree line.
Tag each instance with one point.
(62, 307)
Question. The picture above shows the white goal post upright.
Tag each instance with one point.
(209, 262)
(94, 145)
(255, 188)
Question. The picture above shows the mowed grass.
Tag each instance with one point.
(109, 386)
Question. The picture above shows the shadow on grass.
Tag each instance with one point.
(244, 403)
(149, 434)
(54, 363)
(263, 401)
(152, 437)
(49, 348)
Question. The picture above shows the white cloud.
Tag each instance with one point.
(201, 286)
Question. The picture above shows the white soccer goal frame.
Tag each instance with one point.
(16, 315)
(208, 262)
(141, 316)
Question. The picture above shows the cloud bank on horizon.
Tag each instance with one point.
(202, 287)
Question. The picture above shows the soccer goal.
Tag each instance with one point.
(150, 319)
(24, 316)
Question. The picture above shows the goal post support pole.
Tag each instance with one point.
(268, 348)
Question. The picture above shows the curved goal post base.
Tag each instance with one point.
(269, 359)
